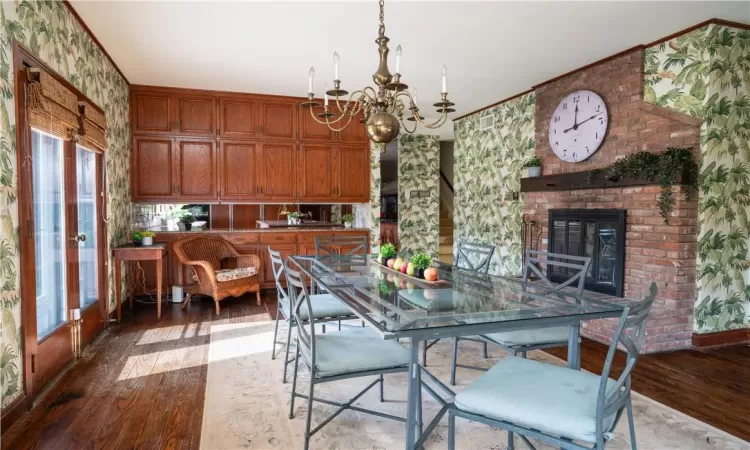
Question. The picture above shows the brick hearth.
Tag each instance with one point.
(654, 250)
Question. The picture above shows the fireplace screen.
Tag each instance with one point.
(596, 233)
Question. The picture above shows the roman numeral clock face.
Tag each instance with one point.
(578, 126)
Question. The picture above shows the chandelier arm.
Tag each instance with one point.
(403, 124)
(437, 124)
(326, 121)
(356, 102)
(344, 126)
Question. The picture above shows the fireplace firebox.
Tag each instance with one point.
(596, 233)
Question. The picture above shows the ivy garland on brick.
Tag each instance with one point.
(666, 167)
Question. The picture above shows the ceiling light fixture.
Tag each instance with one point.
(381, 108)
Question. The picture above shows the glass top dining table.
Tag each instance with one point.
(462, 303)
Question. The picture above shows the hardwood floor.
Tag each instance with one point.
(142, 384)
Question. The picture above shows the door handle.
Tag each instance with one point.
(78, 238)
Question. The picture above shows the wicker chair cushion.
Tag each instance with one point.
(232, 274)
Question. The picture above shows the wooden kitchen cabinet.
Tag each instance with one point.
(196, 159)
(316, 172)
(153, 168)
(238, 118)
(153, 112)
(310, 129)
(238, 170)
(277, 172)
(278, 119)
(354, 174)
(195, 115)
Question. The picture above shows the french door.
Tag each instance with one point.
(67, 241)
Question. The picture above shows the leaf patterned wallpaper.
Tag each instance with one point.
(706, 73)
(49, 31)
(375, 179)
(418, 218)
(487, 171)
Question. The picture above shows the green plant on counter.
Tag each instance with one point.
(147, 234)
(421, 260)
(348, 218)
(387, 250)
(137, 236)
(666, 167)
(187, 217)
(532, 162)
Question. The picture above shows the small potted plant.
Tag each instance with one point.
(147, 237)
(348, 220)
(534, 165)
(387, 251)
(295, 218)
(137, 238)
(187, 220)
(420, 262)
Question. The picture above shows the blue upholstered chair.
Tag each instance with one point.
(566, 408)
(473, 257)
(327, 308)
(574, 268)
(351, 353)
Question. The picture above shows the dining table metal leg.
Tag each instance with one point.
(412, 396)
(574, 348)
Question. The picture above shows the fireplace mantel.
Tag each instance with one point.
(587, 179)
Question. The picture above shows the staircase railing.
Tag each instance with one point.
(446, 193)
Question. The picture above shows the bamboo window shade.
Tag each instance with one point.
(93, 127)
(52, 107)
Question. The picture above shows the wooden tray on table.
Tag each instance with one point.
(436, 283)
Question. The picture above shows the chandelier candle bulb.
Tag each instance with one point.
(310, 78)
(335, 65)
(414, 95)
(398, 59)
(445, 80)
(325, 89)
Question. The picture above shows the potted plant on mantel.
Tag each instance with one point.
(348, 220)
(534, 165)
(387, 251)
(187, 220)
(420, 263)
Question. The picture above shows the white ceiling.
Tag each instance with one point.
(493, 50)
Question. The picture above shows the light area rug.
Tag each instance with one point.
(247, 406)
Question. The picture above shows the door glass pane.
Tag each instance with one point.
(558, 243)
(588, 248)
(49, 231)
(607, 253)
(87, 255)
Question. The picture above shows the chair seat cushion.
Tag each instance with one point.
(537, 336)
(232, 274)
(355, 350)
(549, 398)
(323, 305)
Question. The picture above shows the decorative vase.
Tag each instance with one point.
(347, 224)
(188, 226)
(419, 273)
(535, 171)
(147, 240)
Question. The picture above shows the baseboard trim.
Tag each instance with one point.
(13, 412)
(721, 338)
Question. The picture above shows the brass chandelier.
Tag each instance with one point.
(382, 109)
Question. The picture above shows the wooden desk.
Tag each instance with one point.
(156, 252)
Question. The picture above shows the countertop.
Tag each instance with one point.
(276, 224)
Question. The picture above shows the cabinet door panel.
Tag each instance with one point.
(277, 171)
(238, 118)
(354, 174)
(196, 115)
(286, 251)
(197, 169)
(318, 166)
(153, 168)
(355, 131)
(278, 119)
(239, 179)
(152, 112)
(309, 129)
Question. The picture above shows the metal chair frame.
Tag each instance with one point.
(277, 266)
(304, 337)
(533, 257)
(329, 245)
(485, 252)
(630, 333)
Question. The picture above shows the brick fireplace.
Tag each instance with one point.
(653, 249)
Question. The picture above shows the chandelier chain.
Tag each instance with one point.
(382, 18)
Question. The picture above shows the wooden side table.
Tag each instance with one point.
(155, 252)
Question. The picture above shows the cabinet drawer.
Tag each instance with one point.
(242, 239)
(274, 238)
(309, 238)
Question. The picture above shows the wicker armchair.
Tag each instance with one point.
(204, 255)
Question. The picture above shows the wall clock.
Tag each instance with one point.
(578, 126)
